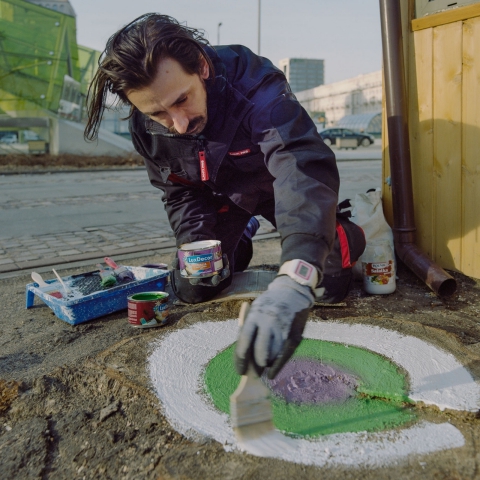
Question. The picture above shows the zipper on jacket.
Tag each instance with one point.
(202, 154)
(202, 157)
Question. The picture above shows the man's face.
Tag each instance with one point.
(175, 99)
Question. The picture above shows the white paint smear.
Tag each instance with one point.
(436, 376)
(178, 362)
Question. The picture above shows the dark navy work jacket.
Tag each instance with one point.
(259, 144)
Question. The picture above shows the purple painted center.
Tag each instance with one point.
(310, 381)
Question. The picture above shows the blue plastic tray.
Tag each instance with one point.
(87, 307)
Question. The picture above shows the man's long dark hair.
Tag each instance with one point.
(131, 57)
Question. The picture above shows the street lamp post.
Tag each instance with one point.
(218, 33)
(259, 23)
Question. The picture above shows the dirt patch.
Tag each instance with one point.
(86, 409)
(8, 393)
(26, 163)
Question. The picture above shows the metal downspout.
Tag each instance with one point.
(399, 148)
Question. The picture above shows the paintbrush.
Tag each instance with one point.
(108, 279)
(251, 413)
(122, 272)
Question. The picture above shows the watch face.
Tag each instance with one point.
(304, 271)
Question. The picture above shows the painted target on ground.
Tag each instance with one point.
(356, 427)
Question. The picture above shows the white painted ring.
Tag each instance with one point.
(179, 359)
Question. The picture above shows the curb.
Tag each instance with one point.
(73, 170)
(126, 169)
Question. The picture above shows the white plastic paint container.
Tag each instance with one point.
(378, 268)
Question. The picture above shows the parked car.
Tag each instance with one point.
(9, 138)
(330, 136)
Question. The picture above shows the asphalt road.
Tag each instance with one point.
(67, 202)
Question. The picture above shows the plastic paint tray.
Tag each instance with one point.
(87, 307)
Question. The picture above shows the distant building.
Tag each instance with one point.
(62, 6)
(303, 73)
(45, 76)
(115, 120)
(327, 104)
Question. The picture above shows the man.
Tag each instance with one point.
(225, 139)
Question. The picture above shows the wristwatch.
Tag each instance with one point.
(302, 272)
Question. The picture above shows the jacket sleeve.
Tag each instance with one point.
(190, 208)
(306, 175)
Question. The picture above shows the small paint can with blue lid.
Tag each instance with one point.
(200, 259)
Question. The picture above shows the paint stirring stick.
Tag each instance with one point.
(251, 414)
(67, 290)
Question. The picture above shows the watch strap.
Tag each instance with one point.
(301, 272)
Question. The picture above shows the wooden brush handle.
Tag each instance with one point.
(244, 308)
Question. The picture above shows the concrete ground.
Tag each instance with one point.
(77, 401)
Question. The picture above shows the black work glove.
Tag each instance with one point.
(205, 289)
(212, 281)
(273, 327)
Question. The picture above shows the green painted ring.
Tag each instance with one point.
(381, 401)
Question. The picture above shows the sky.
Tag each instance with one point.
(344, 33)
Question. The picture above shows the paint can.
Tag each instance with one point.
(148, 309)
(200, 259)
(378, 266)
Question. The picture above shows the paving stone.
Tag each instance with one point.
(44, 253)
(9, 267)
(69, 252)
(43, 262)
(4, 261)
(50, 254)
(25, 258)
(144, 242)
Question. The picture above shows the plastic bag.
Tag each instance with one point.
(367, 212)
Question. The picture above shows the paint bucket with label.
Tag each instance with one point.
(148, 309)
(200, 259)
(378, 267)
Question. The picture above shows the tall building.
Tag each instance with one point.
(303, 73)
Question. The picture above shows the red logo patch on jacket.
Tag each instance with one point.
(240, 153)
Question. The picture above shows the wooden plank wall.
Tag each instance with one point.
(470, 244)
(443, 83)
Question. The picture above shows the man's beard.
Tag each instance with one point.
(195, 126)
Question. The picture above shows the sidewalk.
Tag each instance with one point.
(91, 243)
(59, 219)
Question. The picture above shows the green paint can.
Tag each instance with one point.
(148, 309)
